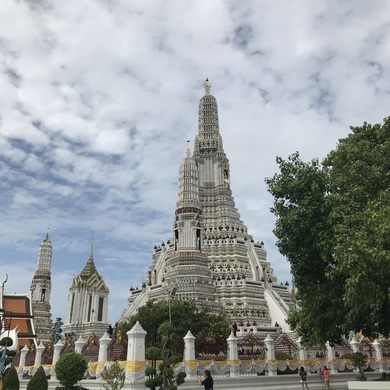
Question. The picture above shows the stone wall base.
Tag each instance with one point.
(281, 382)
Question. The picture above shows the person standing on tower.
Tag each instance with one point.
(235, 329)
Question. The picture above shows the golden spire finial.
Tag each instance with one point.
(207, 86)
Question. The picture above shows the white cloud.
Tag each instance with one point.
(98, 99)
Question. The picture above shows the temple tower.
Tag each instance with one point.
(209, 233)
(40, 291)
(187, 267)
(236, 264)
(87, 302)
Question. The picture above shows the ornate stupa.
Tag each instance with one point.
(40, 291)
(211, 258)
(87, 303)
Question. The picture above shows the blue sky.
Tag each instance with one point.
(98, 98)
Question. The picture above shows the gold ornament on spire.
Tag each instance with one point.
(207, 87)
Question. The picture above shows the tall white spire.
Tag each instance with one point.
(41, 289)
(188, 209)
(188, 195)
(208, 124)
(44, 257)
(207, 86)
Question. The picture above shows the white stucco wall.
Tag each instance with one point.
(276, 313)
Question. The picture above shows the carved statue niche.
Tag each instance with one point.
(176, 238)
(198, 241)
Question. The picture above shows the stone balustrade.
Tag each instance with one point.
(233, 367)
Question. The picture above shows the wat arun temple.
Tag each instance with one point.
(211, 259)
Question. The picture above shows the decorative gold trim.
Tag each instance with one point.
(133, 366)
(190, 364)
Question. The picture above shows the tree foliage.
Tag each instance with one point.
(211, 330)
(164, 377)
(11, 379)
(70, 369)
(57, 330)
(332, 224)
(114, 377)
(38, 381)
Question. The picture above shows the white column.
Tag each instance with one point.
(354, 344)
(56, 356)
(331, 357)
(189, 355)
(103, 344)
(77, 306)
(79, 344)
(302, 350)
(22, 361)
(270, 354)
(57, 351)
(102, 359)
(302, 353)
(378, 355)
(135, 365)
(105, 309)
(38, 355)
(69, 305)
(233, 355)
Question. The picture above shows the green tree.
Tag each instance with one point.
(164, 376)
(115, 377)
(211, 330)
(11, 379)
(38, 381)
(57, 330)
(153, 354)
(70, 369)
(332, 224)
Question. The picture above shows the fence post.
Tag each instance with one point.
(378, 355)
(331, 357)
(302, 350)
(302, 353)
(135, 365)
(38, 355)
(56, 356)
(354, 344)
(102, 359)
(270, 355)
(79, 344)
(233, 355)
(22, 361)
(189, 355)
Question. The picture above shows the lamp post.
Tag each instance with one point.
(171, 294)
